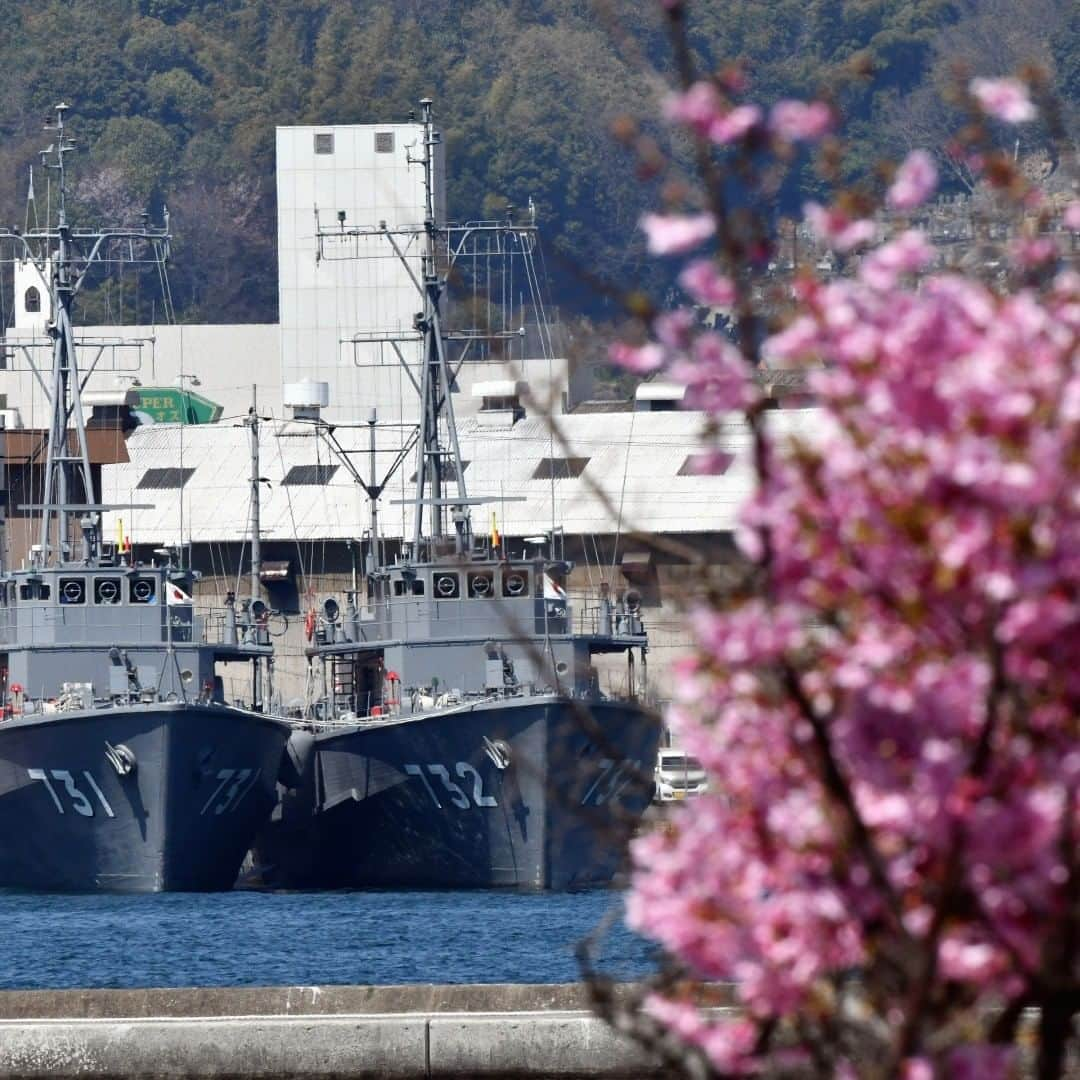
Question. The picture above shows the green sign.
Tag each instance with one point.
(162, 405)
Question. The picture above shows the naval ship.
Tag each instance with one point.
(461, 738)
(122, 765)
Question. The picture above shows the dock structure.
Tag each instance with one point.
(503, 1031)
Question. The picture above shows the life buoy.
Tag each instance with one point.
(309, 624)
(392, 689)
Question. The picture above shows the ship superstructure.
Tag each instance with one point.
(461, 738)
(122, 766)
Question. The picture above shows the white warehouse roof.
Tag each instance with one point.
(641, 462)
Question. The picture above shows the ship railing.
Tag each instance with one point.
(593, 617)
(214, 624)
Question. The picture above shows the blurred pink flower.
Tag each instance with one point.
(715, 374)
(1030, 252)
(676, 234)
(981, 1063)
(1004, 99)
(834, 227)
(703, 109)
(907, 253)
(696, 107)
(1071, 218)
(706, 285)
(916, 180)
(734, 124)
(800, 120)
(640, 359)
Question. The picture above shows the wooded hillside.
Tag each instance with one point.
(177, 100)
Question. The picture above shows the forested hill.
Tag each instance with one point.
(177, 100)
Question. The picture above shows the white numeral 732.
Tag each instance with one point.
(457, 794)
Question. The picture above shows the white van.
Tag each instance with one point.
(677, 776)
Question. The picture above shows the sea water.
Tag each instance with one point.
(50, 940)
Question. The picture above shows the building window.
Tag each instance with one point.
(560, 468)
(309, 475)
(384, 142)
(448, 472)
(32, 299)
(710, 464)
(171, 479)
(324, 143)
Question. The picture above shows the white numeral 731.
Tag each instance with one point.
(79, 802)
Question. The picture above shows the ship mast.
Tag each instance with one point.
(63, 257)
(435, 460)
(435, 378)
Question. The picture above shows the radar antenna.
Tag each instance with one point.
(63, 256)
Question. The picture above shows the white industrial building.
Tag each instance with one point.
(606, 480)
(332, 294)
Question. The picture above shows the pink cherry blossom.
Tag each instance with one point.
(1071, 217)
(1004, 99)
(834, 227)
(735, 124)
(800, 120)
(908, 253)
(706, 285)
(676, 234)
(703, 109)
(640, 359)
(715, 375)
(916, 180)
(697, 107)
(886, 701)
(1029, 252)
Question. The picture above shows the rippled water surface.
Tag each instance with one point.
(261, 939)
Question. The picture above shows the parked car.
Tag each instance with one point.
(677, 776)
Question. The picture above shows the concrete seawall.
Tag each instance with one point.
(305, 1031)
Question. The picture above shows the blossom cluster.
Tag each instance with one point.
(889, 719)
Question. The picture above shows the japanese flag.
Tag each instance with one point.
(176, 595)
(552, 589)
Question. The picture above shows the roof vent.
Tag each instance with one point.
(306, 398)
(500, 401)
(658, 397)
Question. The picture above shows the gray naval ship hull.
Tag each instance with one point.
(182, 819)
(423, 802)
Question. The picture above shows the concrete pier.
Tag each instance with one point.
(310, 1031)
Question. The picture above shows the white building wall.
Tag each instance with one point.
(226, 361)
(359, 285)
(33, 304)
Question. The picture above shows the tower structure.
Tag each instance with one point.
(337, 297)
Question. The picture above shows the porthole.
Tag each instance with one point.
(515, 583)
(143, 590)
(106, 590)
(481, 584)
(72, 591)
(446, 586)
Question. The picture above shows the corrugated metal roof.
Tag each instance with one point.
(631, 479)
